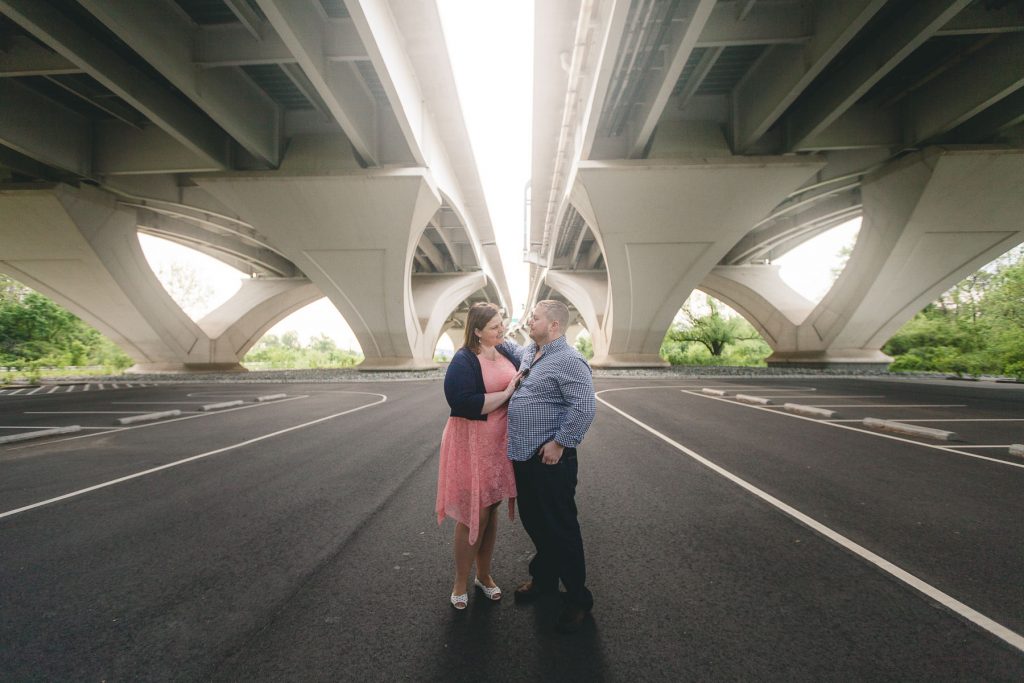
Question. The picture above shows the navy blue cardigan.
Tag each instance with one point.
(464, 380)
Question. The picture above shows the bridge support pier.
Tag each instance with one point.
(80, 248)
(354, 234)
(663, 225)
(930, 220)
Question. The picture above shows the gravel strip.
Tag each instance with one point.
(332, 375)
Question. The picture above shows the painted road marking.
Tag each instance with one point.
(892, 405)
(966, 419)
(835, 423)
(46, 427)
(968, 613)
(177, 419)
(81, 412)
(822, 397)
(176, 463)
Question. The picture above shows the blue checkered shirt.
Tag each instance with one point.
(554, 402)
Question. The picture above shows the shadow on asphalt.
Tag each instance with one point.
(475, 649)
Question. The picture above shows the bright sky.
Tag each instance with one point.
(493, 71)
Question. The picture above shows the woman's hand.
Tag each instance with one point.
(511, 388)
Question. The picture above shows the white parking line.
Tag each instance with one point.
(15, 391)
(834, 423)
(40, 388)
(178, 419)
(967, 419)
(47, 427)
(1005, 445)
(156, 403)
(947, 419)
(892, 405)
(81, 412)
(968, 613)
(207, 454)
(822, 397)
(54, 389)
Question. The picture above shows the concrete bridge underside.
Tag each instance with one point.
(317, 146)
(685, 145)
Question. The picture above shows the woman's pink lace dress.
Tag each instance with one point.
(475, 470)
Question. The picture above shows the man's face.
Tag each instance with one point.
(541, 327)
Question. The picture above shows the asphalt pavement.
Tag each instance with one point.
(294, 539)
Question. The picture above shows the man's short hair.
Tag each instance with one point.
(556, 311)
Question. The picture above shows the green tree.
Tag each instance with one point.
(711, 330)
(714, 339)
(585, 345)
(36, 332)
(975, 327)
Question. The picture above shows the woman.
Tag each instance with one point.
(475, 474)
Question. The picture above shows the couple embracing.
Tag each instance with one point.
(517, 415)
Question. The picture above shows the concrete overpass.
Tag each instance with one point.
(686, 144)
(317, 145)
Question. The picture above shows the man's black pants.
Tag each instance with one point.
(547, 505)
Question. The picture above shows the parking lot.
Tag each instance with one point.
(727, 537)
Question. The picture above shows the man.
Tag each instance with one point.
(547, 417)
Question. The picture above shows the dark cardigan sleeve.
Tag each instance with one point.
(464, 387)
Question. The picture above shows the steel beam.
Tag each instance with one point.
(659, 87)
(163, 36)
(785, 71)
(300, 26)
(25, 57)
(36, 127)
(613, 26)
(966, 90)
(233, 45)
(388, 53)
(180, 120)
(766, 24)
(859, 74)
(978, 19)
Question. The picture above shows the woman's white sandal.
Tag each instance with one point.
(460, 601)
(491, 593)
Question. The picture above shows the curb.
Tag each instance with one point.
(811, 411)
(759, 400)
(271, 397)
(148, 417)
(38, 434)
(715, 392)
(913, 430)
(218, 406)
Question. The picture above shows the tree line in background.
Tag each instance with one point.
(287, 352)
(37, 333)
(975, 328)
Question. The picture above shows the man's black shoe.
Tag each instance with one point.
(530, 591)
(571, 619)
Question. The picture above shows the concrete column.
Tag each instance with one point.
(456, 332)
(663, 225)
(242, 320)
(436, 295)
(758, 294)
(930, 219)
(588, 292)
(80, 248)
(354, 235)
